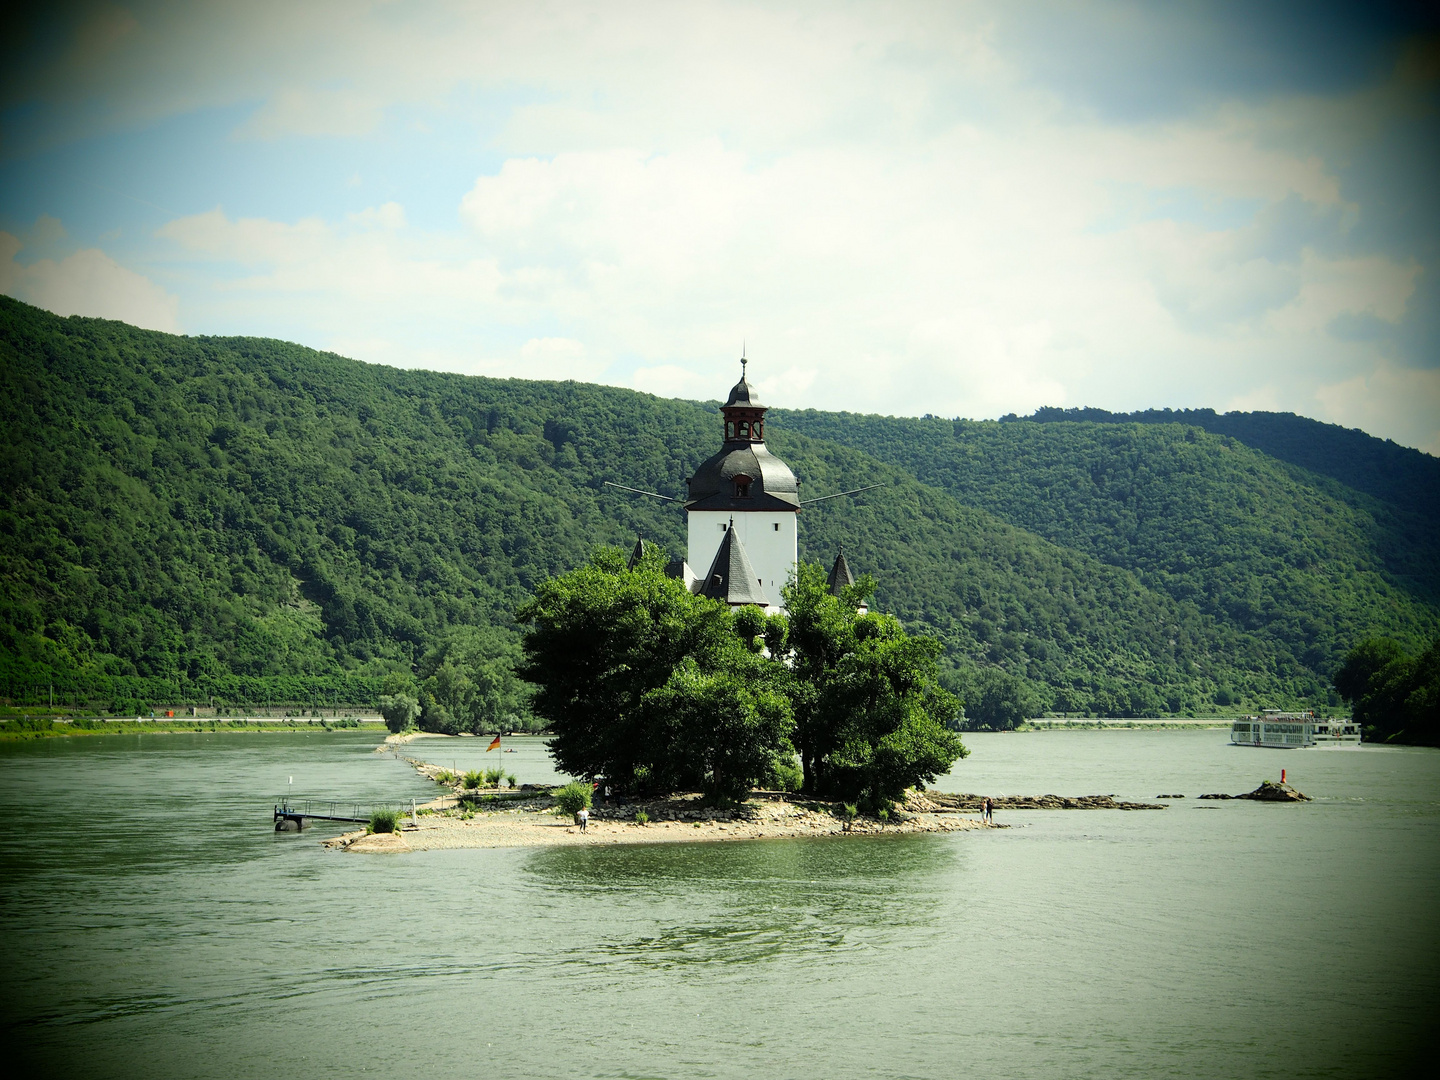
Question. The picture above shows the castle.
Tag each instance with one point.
(742, 510)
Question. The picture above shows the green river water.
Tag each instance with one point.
(155, 926)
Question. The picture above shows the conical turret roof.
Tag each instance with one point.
(840, 575)
(731, 577)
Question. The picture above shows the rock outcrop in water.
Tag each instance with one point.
(1271, 791)
(939, 802)
(1268, 791)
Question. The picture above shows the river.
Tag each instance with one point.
(155, 926)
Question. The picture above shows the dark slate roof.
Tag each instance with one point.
(743, 395)
(675, 568)
(637, 554)
(772, 484)
(840, 575)
(731, 577)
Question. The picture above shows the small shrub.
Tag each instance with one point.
(883, 814)
(473, 778)
(512, 780)
(573, 797)
(384, 819)
(445, 776)
(642, 818)
(849, 811)
(494, 777)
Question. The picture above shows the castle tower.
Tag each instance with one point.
(745, 500)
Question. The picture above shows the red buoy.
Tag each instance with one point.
(1282, 776)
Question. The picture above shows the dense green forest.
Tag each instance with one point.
(1297, 563)
(249, 520)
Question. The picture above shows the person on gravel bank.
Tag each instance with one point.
(582, 818)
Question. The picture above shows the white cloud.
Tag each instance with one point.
(558, 358)
(1389, 397)
(88, 282)
(877, 199)
(671, 380)
(390, 215)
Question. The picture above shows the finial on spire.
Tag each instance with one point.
(743, 361)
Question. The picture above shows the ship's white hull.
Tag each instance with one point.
(1293, 733)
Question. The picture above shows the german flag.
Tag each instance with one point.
(494, 745)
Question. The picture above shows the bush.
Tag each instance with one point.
(849, 811)
(785, 774)
(474, 777)
(445, 776)
(642, 818)
(385, 819)
(494, 777)
(573, 797)
(512, 779)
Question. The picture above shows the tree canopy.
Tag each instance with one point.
(657, 689)
(1394, 695)
(649, 685)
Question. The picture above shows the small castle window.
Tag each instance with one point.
(759, 429)
(744, 430)
(729, 430)
(742, 487)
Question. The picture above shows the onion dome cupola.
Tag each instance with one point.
(744, 475)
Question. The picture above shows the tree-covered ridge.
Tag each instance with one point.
(249, 518)
(1300, 565)
(1404, 477)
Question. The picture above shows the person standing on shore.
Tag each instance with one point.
(989, 814)
(582, 817)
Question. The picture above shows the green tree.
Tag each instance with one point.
(870, 712)
(723, 732)
(1394, 696)
(994, 699)
(648, 685)
(398, 702)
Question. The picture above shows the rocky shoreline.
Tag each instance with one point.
(525, 817)
(443, 825)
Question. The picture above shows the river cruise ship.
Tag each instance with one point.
(1286, 730)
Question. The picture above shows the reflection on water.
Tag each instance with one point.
(747, 902)
(155, 926)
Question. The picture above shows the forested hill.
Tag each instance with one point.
(1399, 475)
(249, 519)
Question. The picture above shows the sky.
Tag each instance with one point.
(958, 209)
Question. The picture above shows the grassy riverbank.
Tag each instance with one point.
(14, 729)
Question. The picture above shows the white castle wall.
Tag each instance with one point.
(771, 539)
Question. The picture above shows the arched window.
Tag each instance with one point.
(742, 487)
(744, 430)
(759, 429)
(729, 430)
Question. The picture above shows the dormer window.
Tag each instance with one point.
(742, 487)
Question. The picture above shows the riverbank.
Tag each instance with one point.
(21, 731)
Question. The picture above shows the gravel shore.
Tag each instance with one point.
(525, 828)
